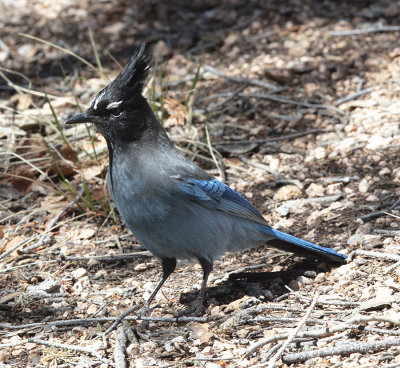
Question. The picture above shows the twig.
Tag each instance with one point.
(394, 365)
(286, 207)
(354, 95)
(67, 347)
(391, 268)
(347, 349)
(120, 348)
(376, 28)
(232, 96)
(121, 250)
(45, 237)
(381, 255)
(253, 82)
(117, 257)
(211, 150)
(387, 232)
(272, 351)
(335, 179)
(20, 244)
(95, 321)
(371, 215)
(119, 319)
(293, 334)
(359, 319)
(382, 331)
(274, 139)
(288, 101)
(27, 265)
(260, 166)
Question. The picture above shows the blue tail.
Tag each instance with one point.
(299, 246)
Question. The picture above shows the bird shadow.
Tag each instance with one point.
(266, 285)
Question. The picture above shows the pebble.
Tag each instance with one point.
(295, 285)
(79, 272)
(140, 267)
(363, 186)
(287, 192)
(303, 280)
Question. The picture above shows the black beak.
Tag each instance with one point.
(81, 118)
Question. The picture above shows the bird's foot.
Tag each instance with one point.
(196, 309)
(144, 312)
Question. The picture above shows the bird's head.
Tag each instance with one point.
(119, 110)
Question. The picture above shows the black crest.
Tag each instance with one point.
(130, 81)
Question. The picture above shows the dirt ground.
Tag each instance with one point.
(295, 104)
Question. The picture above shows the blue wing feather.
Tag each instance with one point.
(217, 195)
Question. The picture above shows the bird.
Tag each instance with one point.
(173, 207)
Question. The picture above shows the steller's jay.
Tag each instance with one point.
(174, 208)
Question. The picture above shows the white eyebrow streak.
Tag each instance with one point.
(113, 105)
(97, 100)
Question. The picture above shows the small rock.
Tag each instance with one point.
(363, 186)
(140, 267)
(287, 192)
(303, 280)
(78, 273)
(311, 274)
(320, 277)
(295, 285)
(385, 171)
(315, 190)
(365, 239)
(47, 286)
(102, 274)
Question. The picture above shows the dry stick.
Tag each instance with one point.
(253, 82)
(121, 250)
(45, 237)
(355, 95)
(118, 320)
(325, 331)
(293, 334)
(117, 257)
(368, 253)
(211, 149)
(260, 166)
(67, 347)
(376, 28)
(290, 102)
(94, 321)
(394, 365)
(20, 244)
(232, 96)
(387, 232)
(120, 348)
(275, 139)
(391, 268)
(341, 350)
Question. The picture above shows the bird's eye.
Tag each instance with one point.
(116, 114)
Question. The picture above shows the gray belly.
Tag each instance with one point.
(183, 229)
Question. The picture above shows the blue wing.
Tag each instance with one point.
(217, 195)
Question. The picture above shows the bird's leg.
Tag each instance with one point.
(197, 308)
(168, 265)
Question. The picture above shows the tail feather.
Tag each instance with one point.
(301, 247)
